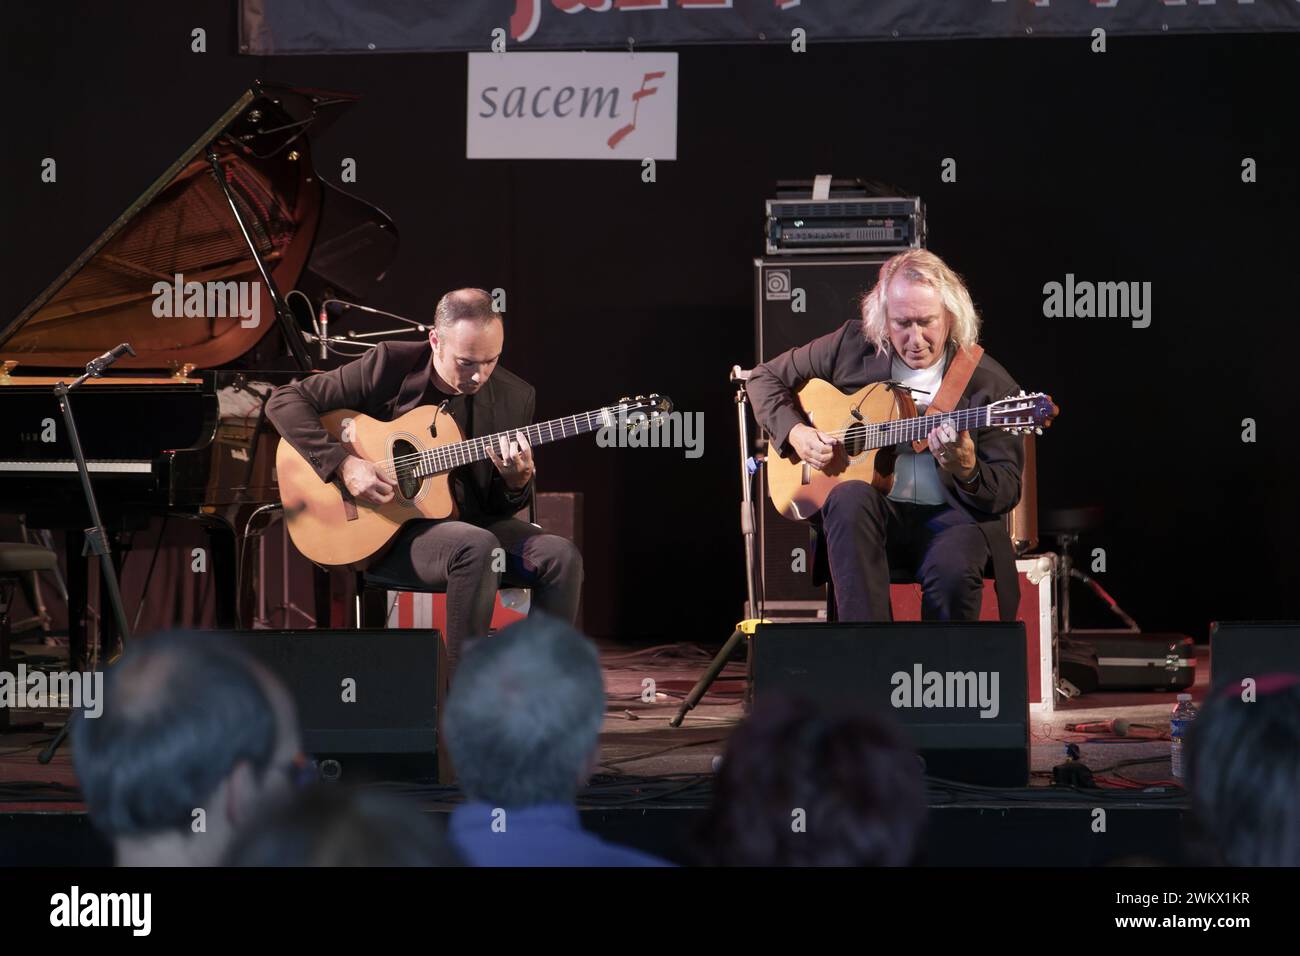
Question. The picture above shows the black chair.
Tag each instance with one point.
(17, 560)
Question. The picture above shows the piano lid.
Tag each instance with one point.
(124, 288)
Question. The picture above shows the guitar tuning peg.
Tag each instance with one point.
(1038, 431)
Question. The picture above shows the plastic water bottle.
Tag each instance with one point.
(1179, 726)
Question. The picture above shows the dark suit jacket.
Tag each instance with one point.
(846, 360)
(385, 383)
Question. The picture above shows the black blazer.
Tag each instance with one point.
(385, 383)
(848, 361)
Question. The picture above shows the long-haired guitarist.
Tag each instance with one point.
(942, 519)
(456, 370)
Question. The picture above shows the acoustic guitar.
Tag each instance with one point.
(869, 424)
(332, 528)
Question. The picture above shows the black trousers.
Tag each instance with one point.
(471, 563)
(867, 533)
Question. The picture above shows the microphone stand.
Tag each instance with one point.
(321, 334)
(749, 466)
(96, 536)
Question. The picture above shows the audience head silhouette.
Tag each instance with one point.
(1244, 773)
(335, 825)
(801, 786)
(194, 738)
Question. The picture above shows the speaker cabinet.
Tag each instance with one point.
(368, 700)
(1241, 649)
(795, 301)
(957, 689)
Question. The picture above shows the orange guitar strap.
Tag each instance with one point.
(954, 383)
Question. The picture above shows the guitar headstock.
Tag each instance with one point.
(1022, 414)
(643, 410)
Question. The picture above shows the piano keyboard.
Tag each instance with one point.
(106, 466)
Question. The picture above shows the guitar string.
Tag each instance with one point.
(537, 426)
(446, 456)
(920, 424)
(906, 424)
(481, 442)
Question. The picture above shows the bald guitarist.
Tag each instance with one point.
(456, 370)
(942, 520)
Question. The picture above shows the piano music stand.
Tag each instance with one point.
(96, 537)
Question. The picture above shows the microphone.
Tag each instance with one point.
(1117, 726)
(324, 321)
(433, 425)
(95, 367)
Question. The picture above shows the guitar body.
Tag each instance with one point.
(798, 490)
(332, 528)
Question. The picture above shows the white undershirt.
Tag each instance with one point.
(916, 476)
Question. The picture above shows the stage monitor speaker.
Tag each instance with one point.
(795, 301)
(1241, 649)
(957, 688)
(368, 700)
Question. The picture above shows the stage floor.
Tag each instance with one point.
(638, 741)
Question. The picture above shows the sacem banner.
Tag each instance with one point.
(572, 106)
(270, 27)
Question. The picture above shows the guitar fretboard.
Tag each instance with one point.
(435, 461)
(900, 430)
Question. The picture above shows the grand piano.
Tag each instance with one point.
(179, 429)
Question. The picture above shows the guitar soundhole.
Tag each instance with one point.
(408, 485)
(855, 439)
